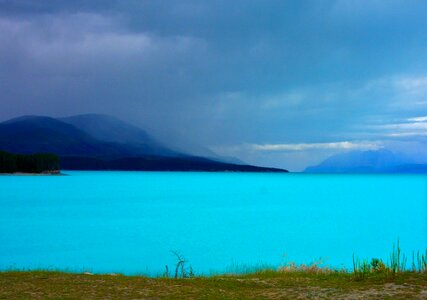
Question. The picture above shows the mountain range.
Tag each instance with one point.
(100, 142)
(373, 161)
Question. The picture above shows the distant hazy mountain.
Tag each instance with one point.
(100, 142)
(378, 161)
(109, 129)
(182, 144)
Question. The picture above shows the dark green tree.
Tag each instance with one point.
(28, 163)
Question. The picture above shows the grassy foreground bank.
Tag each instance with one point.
(369, 279)
(259, 285)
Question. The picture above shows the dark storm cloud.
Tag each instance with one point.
(225, 73)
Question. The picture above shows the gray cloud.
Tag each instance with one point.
(222, 73)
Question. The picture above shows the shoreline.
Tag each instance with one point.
(33, 174)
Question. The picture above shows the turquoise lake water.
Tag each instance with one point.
(129, 222)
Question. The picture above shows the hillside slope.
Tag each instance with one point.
(84, 143)
(109, 129)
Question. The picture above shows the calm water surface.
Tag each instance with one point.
(130, 221)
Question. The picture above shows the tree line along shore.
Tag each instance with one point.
(41, 163)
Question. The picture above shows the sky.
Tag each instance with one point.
(273, 83)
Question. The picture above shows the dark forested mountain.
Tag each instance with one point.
(158, 163)
(378, 161)
(100, 142)
(34, 134)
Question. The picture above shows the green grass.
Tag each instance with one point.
(368, 279)
(267, 284)
(397, 263)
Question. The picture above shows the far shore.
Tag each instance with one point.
(33, 174)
